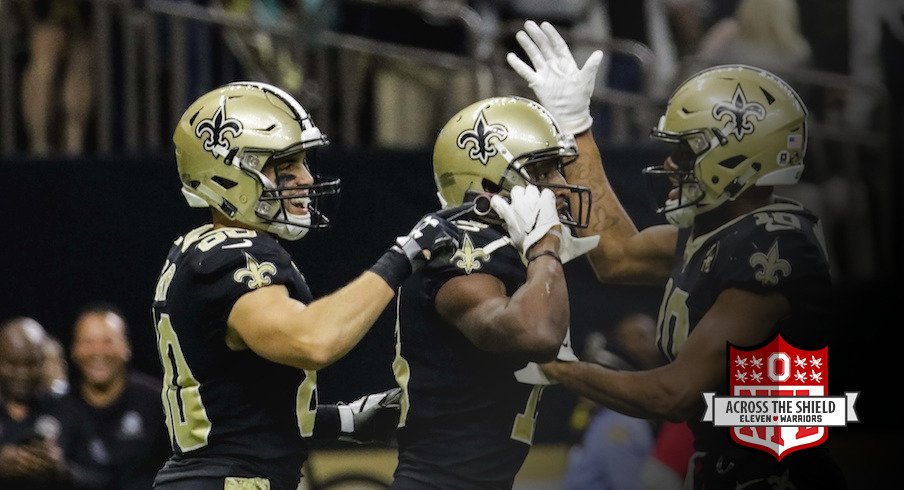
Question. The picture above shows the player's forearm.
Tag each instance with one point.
(632, 393)
(543, 303)
(608, 217)
(533, 323)
(343, 317)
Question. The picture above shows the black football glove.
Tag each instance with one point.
(433, 237)
(371, 418)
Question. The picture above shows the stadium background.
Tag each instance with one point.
(97, 226)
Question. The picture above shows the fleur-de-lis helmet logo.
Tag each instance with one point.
(740, 114)
(216, 129)
(482, 136)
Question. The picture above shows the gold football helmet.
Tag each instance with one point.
(226, 138)
(735, 126)
(490, 147)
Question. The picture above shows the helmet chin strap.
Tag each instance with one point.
(297, 227)
(683, 217)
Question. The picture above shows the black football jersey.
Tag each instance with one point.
(41, 422)
(466, 422)
(229, 411)
(120, 446)
(777, 248)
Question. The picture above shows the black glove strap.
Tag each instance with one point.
(393, 267)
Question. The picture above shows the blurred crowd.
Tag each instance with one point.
(388, 94)
(100, 429)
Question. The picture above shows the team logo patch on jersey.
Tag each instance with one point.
(481, 137)
(769, 265)
(216, 128)
(740, 114)
(257, 275)
(778, 398)
(469, 258)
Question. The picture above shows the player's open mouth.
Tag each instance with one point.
(299, 205)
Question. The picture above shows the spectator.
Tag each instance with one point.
(615, 447)
(763, 33)
(656, 24)
(56, 369)
(406, 111)
(115, 435)
(877, 34)
(29, 454)
(667, 466)
(59, 40)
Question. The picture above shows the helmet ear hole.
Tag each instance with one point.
(733, 162)
(223, 182)
(490, 186)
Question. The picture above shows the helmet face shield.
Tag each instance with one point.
(546, 169)
(320, 200)
(688, 188)
(685, 190)
(687, 150)
(295, 195)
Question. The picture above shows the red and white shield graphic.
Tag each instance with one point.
(778, 369)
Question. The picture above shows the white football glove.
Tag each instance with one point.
(571, 247)
(530, 215)
(533, 374)
(560, 86)
(371, 418)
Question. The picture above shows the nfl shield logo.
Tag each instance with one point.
(778, 369)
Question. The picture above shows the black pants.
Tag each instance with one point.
(219, 484)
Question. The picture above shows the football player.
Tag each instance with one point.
(467, 328)
(239, 335)
(738, 262)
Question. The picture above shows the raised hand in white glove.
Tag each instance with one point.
(560, 86)
(571, 247)
(529, 216)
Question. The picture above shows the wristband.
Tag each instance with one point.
(545, 252)
(327, 422)
(393, 267)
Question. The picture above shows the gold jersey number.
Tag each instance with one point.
(186, 417)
